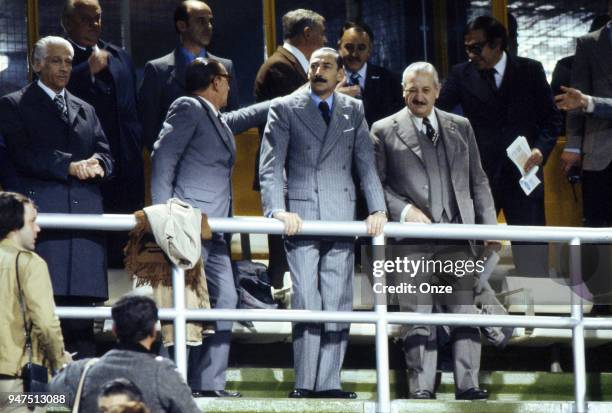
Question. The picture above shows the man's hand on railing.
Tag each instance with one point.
(292, 221)
(376, 223)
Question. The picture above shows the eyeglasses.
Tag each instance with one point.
(227, 76)
(475, 48)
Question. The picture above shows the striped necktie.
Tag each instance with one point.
(61, 106)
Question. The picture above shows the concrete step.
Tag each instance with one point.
(246, 405)
(502, 386)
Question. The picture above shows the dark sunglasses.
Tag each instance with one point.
(475, 48)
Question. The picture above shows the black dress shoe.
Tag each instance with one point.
(335, 394)
(215, 393)
(300, 394)
(473, 394)
(422, 395)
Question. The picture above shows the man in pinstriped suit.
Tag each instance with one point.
(313, 137)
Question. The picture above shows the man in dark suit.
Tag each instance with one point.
(379, 88)
(589, 142)
(430, 169)
(280, 75)
(312, 140)
(193, 161)
(103, 76)
(504, 97)
(61, 155)
(164, 78)
(8, 175)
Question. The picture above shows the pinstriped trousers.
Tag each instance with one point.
(322, 276)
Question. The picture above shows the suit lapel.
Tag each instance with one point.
(372, 81)
(293, 61)
(180, 67)
(407, 133)
(309, 114)
(226, 137)
(477, 86)
(73, 109)
(336, 123)
(450, 137)
(603, 53)
(113, 64)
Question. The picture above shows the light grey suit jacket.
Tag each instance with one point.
(195, 153)
(592, 75)
(317, 159)
(404, 177)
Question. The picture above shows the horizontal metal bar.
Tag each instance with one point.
(256, 225)
(352, 317)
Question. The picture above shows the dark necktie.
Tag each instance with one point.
(61, 106)
(489, 76)
(354, 81)
(430, 131)
(324, 108)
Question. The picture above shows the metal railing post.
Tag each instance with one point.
(383, 401)
(180, 327)
(578, 343)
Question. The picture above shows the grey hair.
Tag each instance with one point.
(295, 21)
(68, 11)
(42, 45)
(421, 67)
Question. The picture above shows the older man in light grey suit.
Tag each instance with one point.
(589, 138)
(193, 160)
(313, 138)
(430, 169)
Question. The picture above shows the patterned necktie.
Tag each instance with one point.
(324, 108)
(61, 106)
(430, 131)
(354, 79)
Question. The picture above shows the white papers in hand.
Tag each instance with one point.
(518, 152)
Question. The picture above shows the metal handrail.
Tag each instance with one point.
(380, 317)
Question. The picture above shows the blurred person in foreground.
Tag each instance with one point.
(24, 277)
(135, 358)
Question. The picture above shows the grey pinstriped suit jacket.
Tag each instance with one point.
(195, 153)
(317, 159)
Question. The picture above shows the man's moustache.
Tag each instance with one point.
(319, 80)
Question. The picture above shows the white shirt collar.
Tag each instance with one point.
(500, 69)
(362, 74)
(95, 47)
(51, 93)
(210, 105)
(298, 55)
(418, 122)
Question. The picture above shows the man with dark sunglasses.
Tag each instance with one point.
(504, 97)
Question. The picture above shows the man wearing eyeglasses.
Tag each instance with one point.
(504, 97)
(193, 161)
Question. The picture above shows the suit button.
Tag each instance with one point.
(316, 191)
(425, 187)
(345, 189)
(350, 147)
(344, 167)
(308, 147)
